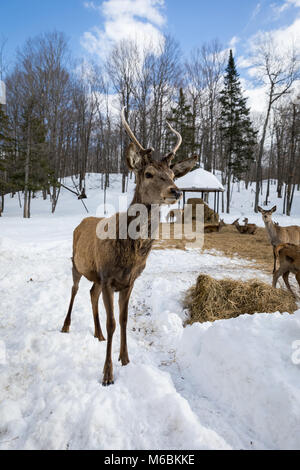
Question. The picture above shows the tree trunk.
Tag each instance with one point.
(26, 210)
(260, 155)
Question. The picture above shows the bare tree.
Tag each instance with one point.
(277, 70)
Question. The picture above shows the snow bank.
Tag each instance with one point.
(245, 366)
(199, 179)
(230, 384)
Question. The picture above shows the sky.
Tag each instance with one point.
(92, 26)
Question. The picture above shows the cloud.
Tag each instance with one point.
(283, 38)
(255, 11)
(139, 20)
(295, 3)
(283, 41)
(233, 41)
(256, 96)
(280, 8)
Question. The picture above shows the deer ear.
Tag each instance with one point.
(273, 209)
(259, 209)
(133, 158)
(182, 168)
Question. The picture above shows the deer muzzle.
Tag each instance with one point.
(176, 193)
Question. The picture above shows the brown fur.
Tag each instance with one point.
(289, 262)
(251, 228)
(114, 264)
(245, 229)
(278, 235)
(214, 228)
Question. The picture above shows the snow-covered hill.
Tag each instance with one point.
(228, 384)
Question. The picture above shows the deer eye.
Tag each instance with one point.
(148, 175)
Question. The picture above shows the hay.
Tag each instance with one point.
(211, 300)
(210, 216)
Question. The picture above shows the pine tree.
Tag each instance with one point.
(6, 148)
(181, 119)
(32, 171)
(238, 135)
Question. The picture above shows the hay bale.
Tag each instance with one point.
(210, 216)
(211, 300)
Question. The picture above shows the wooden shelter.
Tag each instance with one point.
(203, 182)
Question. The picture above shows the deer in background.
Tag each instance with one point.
(250, 228)
(113, 265)
(214, 228)
(289, 261)
(278, 235)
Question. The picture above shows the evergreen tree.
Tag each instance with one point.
(182, 120)
(6, 149)
(238, 135)
(32, 171)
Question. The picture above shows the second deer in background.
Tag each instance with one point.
(247, 228)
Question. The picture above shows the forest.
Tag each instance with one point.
(62, 116)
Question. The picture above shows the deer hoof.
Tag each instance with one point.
(108, 377)
(107, 383)
(124, 360)
(65, 329)
(100, 337)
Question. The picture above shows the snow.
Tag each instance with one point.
(199, 178)
(228, 384)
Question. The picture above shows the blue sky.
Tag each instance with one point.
(191, 22)
(92, 26)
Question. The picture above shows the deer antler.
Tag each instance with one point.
(179, 138)
(129, 131)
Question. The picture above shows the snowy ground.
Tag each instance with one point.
(227, 384)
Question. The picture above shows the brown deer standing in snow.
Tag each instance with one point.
(114, 264)
(289, 261)
(278, 235)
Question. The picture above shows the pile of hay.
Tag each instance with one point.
(210, 216)
(211, 300)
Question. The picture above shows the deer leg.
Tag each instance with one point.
(76, 278)
(275, 259)
(124, 297)
(95, 292)
(276, 276)
(108, 299)
(286, 281)
(298, 278)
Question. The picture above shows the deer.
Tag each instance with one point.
(251, 228)
(277, 234)
(214, 228)
(289, 262)
(113, 265)
(247, 228)
(240, 228)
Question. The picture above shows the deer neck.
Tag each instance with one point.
(271, 229)
(151, 223)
